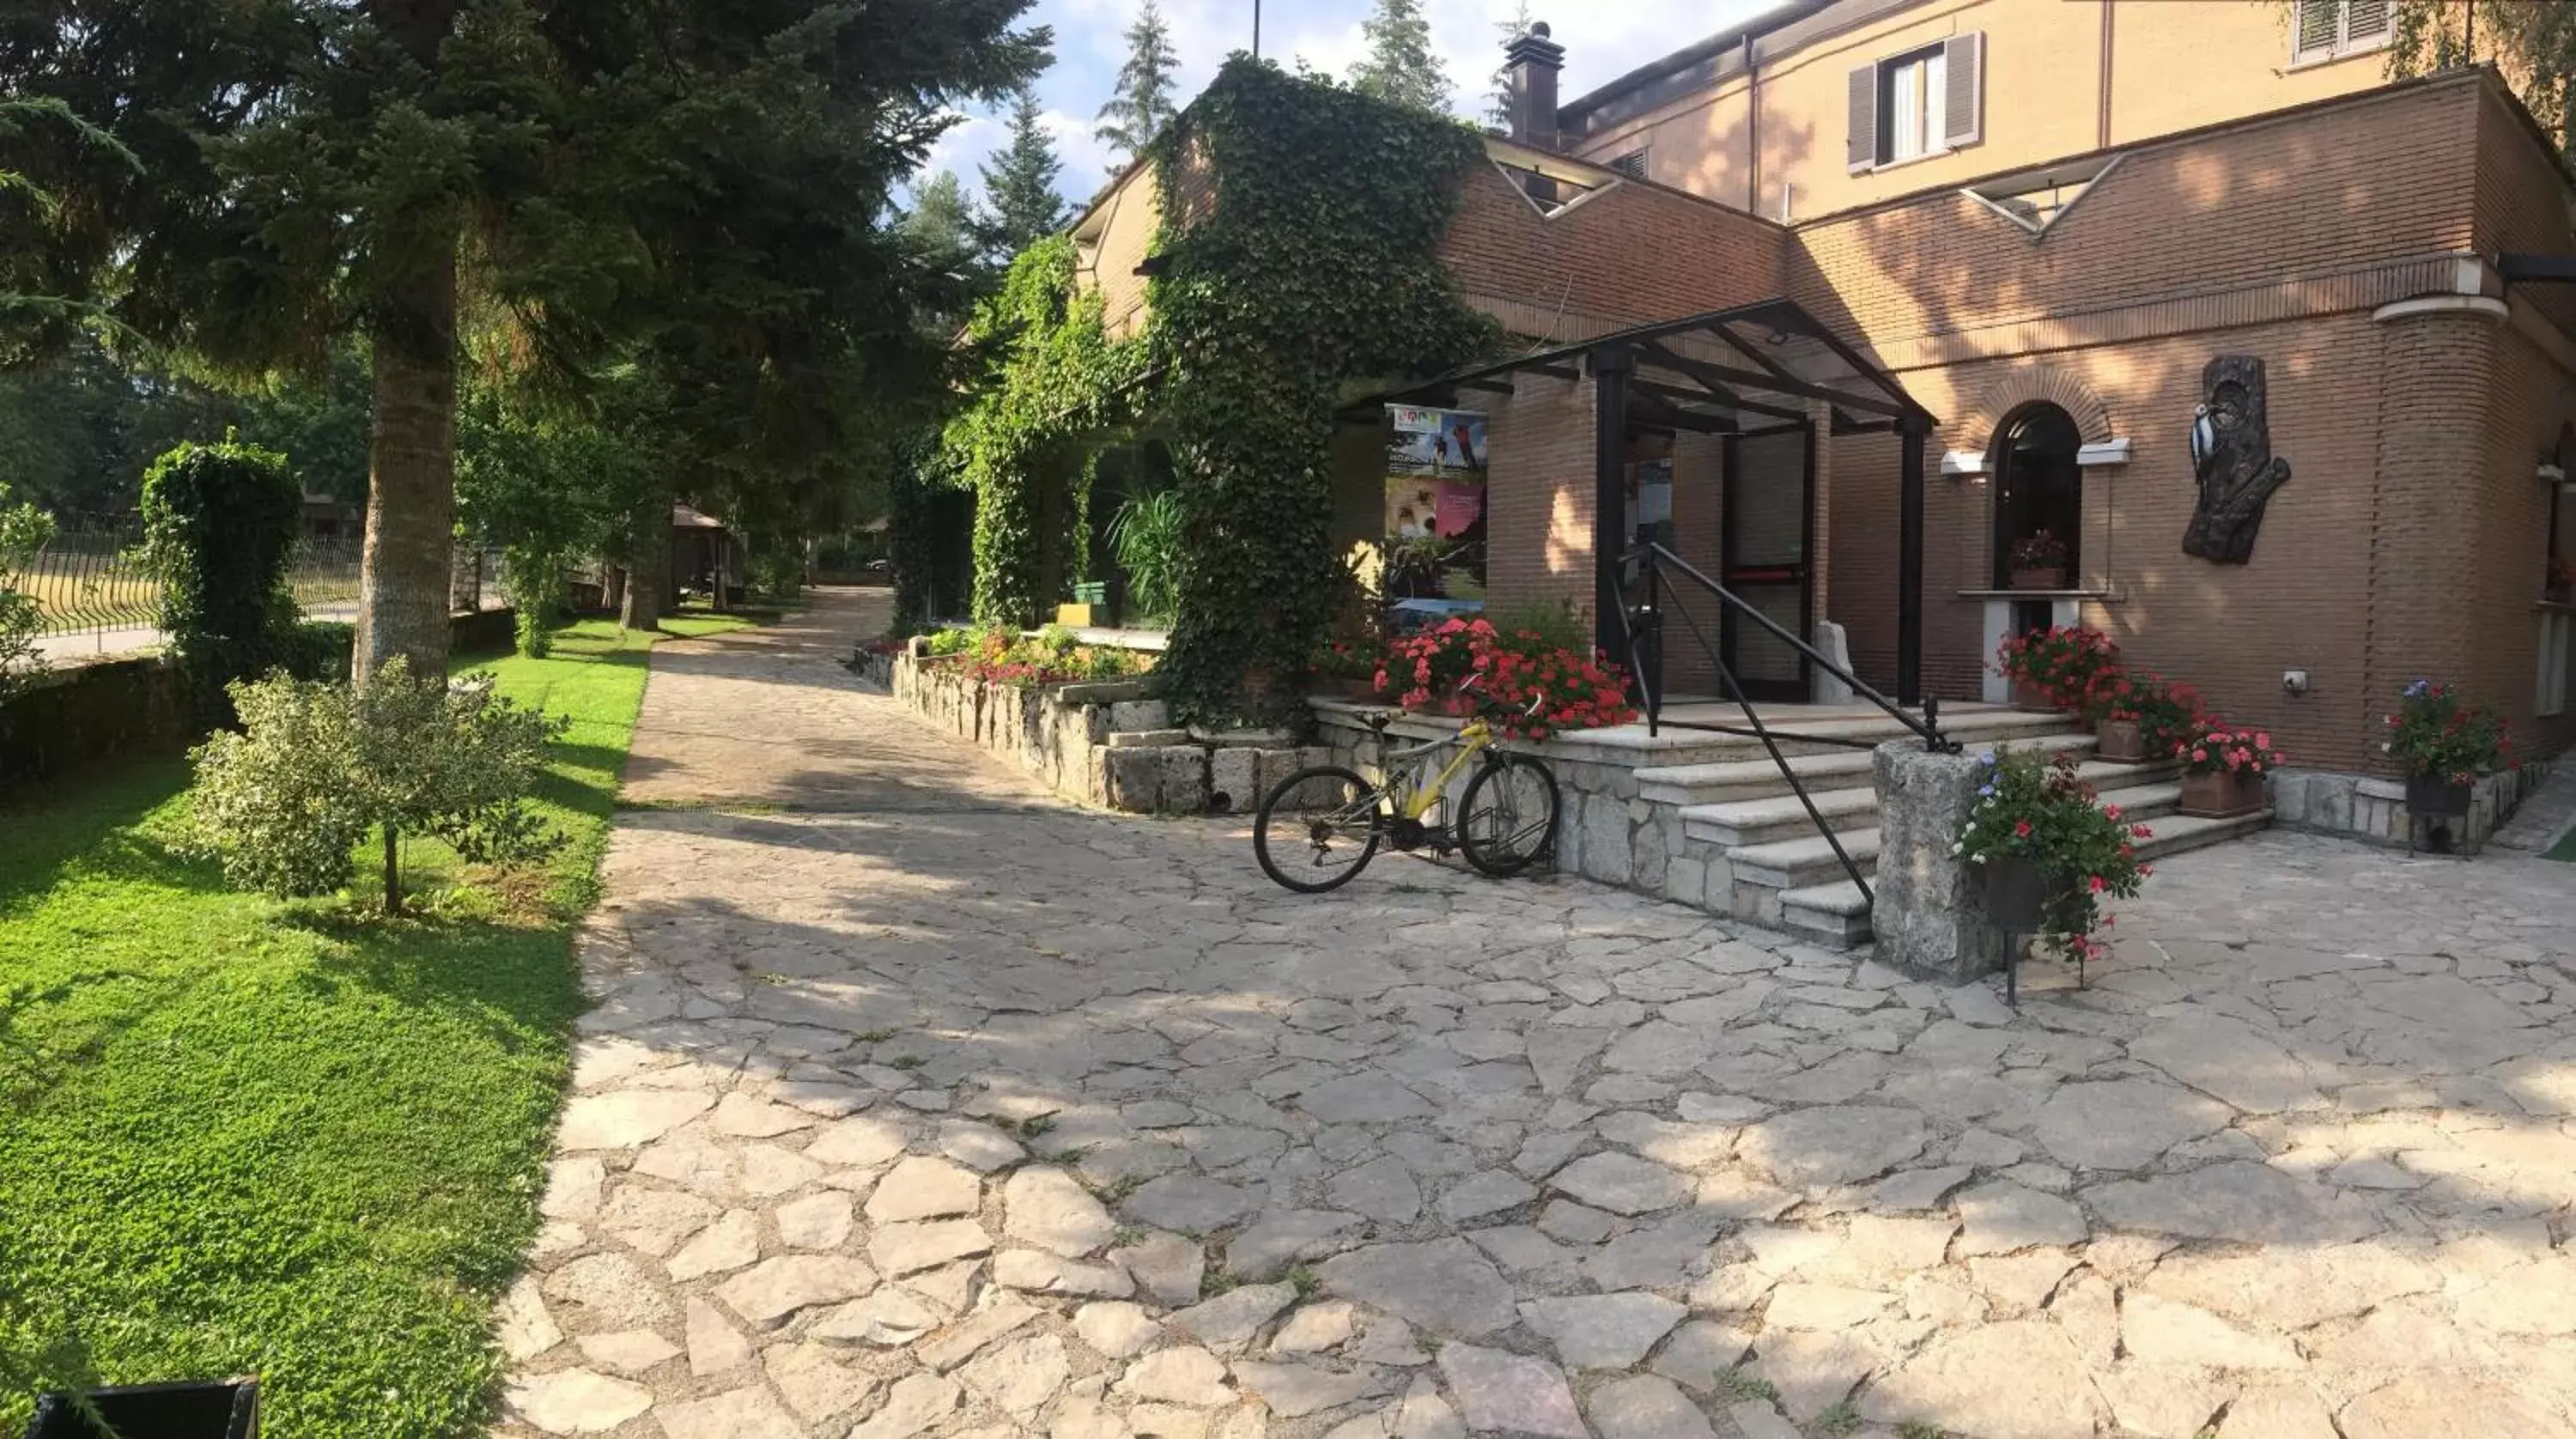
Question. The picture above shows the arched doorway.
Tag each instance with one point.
(2039, 487)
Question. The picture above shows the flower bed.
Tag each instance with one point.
(1525, 684)
(2055, 668)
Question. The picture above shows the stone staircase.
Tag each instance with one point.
(1765, 861)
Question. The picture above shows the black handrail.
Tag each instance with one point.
(1636, 636)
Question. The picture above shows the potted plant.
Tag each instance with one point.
(2139, 717)
(1345, 671)
(2562, 582)
(2038, 562)
(2046, 855)
(2055, 668)
(2444, 745)
(2222, 769)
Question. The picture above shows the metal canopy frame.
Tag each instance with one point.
(1749, 370)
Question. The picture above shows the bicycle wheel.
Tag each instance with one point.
(1318, 827)
(1507, 820)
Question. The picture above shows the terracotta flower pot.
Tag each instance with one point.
(2121, 741)
(2031, 697)
(2434, 797)
(2039, 579)
(2221, 794)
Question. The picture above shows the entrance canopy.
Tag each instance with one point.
(1759, 369)
(1749, 370)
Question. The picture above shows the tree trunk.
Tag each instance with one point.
(612, 589)
(648, 577)
(393, 871)
(403, 573)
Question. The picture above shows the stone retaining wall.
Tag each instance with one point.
(1107, 743)
(2373, 810)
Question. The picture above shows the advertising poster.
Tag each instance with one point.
(1435, 510)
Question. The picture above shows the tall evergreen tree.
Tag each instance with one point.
(1142, 104)
(1019, 184)
(1498, 106)
(941, 229)
(1399, 65)
(613, 175)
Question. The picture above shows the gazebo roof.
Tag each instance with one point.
(1747, 370)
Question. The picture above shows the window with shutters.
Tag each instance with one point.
(1923, 102)
(2332, 29)
(1632, 164)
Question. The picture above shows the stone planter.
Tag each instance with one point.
(2220, 795)
(1350, 687)
(2122, 741)
(2017, 892)
(2033, 698)
(2432, 797)
(2039, 579)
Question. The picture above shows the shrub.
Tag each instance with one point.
(2434, 734)
(1148, 537)
(2041, 812)
(2062, 659)
(219, 525)
(320, 649)
(532, 576)
(1052, 656)
(24, 530)
(955, 641)
(315, 768)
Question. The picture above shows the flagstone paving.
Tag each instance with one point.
(916, 1103)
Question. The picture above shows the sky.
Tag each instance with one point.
(1603, 40)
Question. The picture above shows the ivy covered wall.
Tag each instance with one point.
(1304, 269)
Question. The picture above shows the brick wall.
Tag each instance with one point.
(1538, 494)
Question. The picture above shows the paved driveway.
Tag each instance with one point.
(919, 1103)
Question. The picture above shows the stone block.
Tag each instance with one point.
(1929, 913)
(1650, 853)
(2330, 803)
(2290, 798)
(1145, 738)
(1607, 855)
(1185, 779)
(1135, 779)
(1095, 777)
(1234, 781)
(1140, 714)
(1685, 880)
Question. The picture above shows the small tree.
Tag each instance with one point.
(1498, 104)
(219, 526)
(1400, 66)
(316, 767)
(24, 529)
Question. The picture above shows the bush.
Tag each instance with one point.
(315, 768)
(1052, 656)
(1149, 537)
(2040, 812)
(320, 649)
(24, 530)
(2166, 711)
(2433, 733)
(219, 526)
(2064, 660)
(532, 576)
(956, 641)
(1527, 686)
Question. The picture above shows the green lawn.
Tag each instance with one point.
(243, 1136)
(2565, 848)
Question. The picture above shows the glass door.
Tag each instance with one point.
(1766, 539)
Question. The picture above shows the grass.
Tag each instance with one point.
(2565, 849)
(240, 1136)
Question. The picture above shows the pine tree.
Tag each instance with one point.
(708, 191)
(941, 230)
(1142, 104)
(1019, 184)
(1498, 109)
(1399, 66)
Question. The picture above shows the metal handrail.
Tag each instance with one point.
(1655, 557)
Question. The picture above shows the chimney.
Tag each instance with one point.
(1532, 62)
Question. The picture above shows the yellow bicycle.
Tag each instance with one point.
(1319, 827)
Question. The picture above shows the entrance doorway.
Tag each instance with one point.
(1768, 536)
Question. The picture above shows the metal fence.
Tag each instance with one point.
(89, 584)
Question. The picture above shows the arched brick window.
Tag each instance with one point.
(2038, 485)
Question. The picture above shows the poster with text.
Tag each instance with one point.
(1435, 507)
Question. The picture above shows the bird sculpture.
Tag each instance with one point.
(2232, 460)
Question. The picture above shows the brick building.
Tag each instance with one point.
(2035, 223)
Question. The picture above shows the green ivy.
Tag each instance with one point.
(1312, 266)
(219, 527)
(1056, 379)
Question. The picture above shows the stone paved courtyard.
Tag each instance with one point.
(918, 1103)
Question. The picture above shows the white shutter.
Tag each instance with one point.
(2313, 24)
(2365, 22)
(1963, 110)
(1861, 148)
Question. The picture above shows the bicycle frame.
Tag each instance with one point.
(1473, 739)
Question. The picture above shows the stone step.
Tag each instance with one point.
(2176, 834)
(1764, 821)
(1744, 779)
(1799, 863)
(1834, 915)
(1630, 746)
